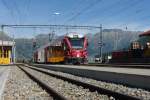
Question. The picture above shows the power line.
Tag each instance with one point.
(124, 9)
(51, 26)
(9, 9)
(75, 7)
(84, 10)
(131, 5)
(17, 10)
(26, 9)
(107, 8)
(136, 12)
(119, 11)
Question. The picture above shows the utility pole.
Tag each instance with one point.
(14, 53)
(100, 44)
(2, 29)
(51, 36)
(116, 40)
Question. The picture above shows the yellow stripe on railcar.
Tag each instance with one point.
(55, 59)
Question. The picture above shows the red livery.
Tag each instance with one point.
(75, 48)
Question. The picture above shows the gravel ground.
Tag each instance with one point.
(70, 91)
(20, 87)
(140, 93)
(4, 73)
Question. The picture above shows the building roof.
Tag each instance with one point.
(6, 43)
(147, 33)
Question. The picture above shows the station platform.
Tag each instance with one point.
(135, 71)
(134, 77)
(4, 72)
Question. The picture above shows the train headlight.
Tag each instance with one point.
(148, 43)
(109, 57)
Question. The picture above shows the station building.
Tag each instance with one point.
(7, 52)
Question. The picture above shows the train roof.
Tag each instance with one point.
(7, 43)
(74, 34)
(53, 43)
(147, 33)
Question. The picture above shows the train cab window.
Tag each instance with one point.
(4, 54)
(0, 54)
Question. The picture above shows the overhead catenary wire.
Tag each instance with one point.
(9, 9)
(107, 8)
(83, 10)
(75, 7)
(17, 10)
(118, 11)
(123, 9)
(48, 26)
(27, 8)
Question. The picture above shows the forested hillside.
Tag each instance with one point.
(113, 39)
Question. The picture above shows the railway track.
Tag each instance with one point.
(132, 65)
(49, 90)
(92, 88)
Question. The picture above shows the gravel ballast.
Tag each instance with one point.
(20, 87)
(136, 92)
(70, 91)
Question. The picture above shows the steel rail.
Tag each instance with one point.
(91, 87)
(50, 91)
(140, 66)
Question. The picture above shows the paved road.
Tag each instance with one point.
(4, 72)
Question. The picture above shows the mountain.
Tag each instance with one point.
(4, 36)
(24, 49)
(113, 39)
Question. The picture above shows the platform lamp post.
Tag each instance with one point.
(2, 29)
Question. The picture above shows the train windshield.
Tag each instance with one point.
(77, 43)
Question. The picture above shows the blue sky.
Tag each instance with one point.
(133, 14)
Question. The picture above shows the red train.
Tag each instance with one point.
(71, 49)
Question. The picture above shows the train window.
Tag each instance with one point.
(77, 42)
(64, 46)
(4, 53)
(0, 54)
(7, 54)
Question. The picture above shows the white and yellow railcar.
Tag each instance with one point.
(6, 52)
